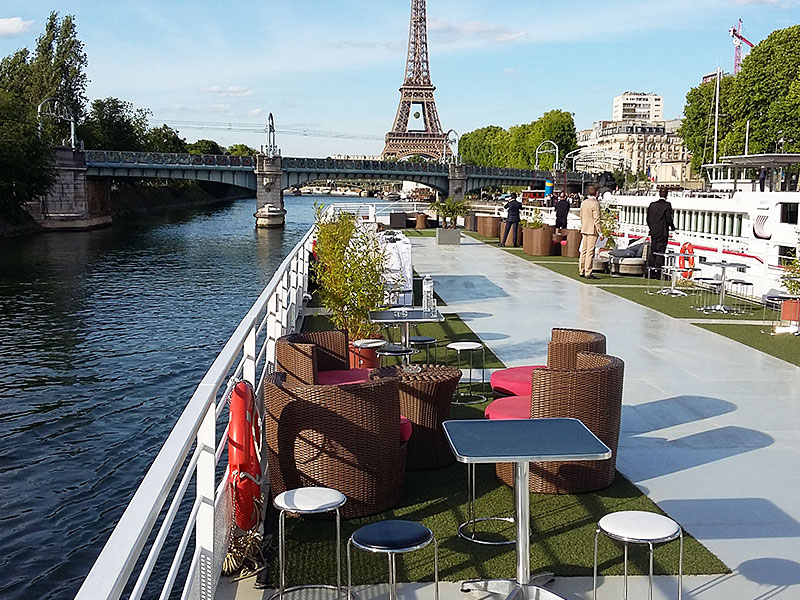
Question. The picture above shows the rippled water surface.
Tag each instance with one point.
(104, 335)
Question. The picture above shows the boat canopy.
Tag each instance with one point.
(756, 160)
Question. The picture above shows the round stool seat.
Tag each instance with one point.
(421, 339)
(639, 526)
(460, 346)
(309, 500)
(509, 407)
(392, 536)
(369, 343)
(395, 350)
(513, 381)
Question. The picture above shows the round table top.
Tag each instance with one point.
(369, 343)
(465, 345)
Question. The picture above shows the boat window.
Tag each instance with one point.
(786, 254)
(789, 212)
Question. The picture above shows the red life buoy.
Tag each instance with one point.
(244, 434)
(686, 262)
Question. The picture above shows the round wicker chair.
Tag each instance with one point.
(345, 437)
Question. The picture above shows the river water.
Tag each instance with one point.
(104, 335)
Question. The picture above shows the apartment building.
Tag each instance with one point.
(637, 106)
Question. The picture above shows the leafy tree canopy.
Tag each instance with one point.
(516, 147)
(164, 139)
(241, 150)
(113, 124)
(766, 92)
(25, 159)
(205, 147)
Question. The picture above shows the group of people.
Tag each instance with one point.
(659, 222)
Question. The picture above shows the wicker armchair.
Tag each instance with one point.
(302, 355)
(425, 399)
(591, 392)
(561, 351)
(345, 437)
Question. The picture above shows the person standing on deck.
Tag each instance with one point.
(659, 220)
(590, 230)
(762, 177)
(512, 218)
(562, 210)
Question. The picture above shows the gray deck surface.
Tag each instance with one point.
(710, 427)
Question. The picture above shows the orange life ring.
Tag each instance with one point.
(686, 262)
(244, 477)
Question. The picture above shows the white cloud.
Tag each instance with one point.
(509, 72)
(256, 112)
(220, 107)
(473, 31)
(230, 91)
(14, 26)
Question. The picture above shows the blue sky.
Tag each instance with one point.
(322, 66)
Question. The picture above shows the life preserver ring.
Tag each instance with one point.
(686, 262)
(244, 435)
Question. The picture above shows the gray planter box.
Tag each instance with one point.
(448, 237)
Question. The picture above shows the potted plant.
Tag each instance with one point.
(349, 273)
(790, 279)
(537, 238)
(609, 226)
(449, 210)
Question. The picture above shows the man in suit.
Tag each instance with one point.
(512, 219)
(562, 210)
(659, 220)
(590, 230)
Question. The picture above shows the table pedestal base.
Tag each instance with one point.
(512, 589)
(721, 308)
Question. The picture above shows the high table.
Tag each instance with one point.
(521, 441)
(405, 316)
(669, 265)
(720, 306)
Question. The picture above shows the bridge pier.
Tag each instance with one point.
(74, 201)
(270, 211)
(457, 181)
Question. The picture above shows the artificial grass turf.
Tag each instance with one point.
(563, 525)
(784, 346)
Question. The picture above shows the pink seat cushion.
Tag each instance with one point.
(343, 376)
(509, 407)
(405, 429)
(514, 381)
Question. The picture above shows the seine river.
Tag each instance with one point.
(104, 335)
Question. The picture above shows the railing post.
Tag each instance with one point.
(204, 527)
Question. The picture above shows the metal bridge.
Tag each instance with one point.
(241, 171)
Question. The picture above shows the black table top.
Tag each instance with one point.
(520, 440)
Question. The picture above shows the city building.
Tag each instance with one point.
(637, 106)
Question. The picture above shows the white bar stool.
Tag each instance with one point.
(308, 501)
(471, 347)
(639, 527)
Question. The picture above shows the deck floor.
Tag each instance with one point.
(710, 427)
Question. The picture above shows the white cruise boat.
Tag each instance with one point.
(734, 221)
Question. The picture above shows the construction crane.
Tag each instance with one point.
(738, 38)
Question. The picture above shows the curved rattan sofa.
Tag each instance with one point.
(425, 399)
(591, 392)
(345, 437)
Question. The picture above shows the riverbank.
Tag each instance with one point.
(129, 201)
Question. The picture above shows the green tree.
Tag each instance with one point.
(557, 126)
(113, 124)
(241, 150)
(25, 159)
(164, 139)
(205, 147)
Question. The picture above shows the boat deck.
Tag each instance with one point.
(710, 427)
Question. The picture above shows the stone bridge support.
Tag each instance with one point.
(457, 180)
(74, 201)
(270, 211)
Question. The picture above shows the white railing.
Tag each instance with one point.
(249, 354)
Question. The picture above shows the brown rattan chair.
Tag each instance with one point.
(302, 355)
(591, 392)
(425, 399)
(345, 437)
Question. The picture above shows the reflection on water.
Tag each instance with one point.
(103, 336)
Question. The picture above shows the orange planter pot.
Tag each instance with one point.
(363, 358)
(790, 310)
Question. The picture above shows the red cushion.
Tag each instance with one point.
(343, 376)
(509, 407)
(514, 381)
(405, 429)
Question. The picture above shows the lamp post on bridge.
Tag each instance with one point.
(450, 141)
(538, 148)
(66, 115)
(270, 212)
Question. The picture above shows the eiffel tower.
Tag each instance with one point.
(416, 128)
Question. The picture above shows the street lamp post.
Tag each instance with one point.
(450, 139)
(555, 146)
(68, 117)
